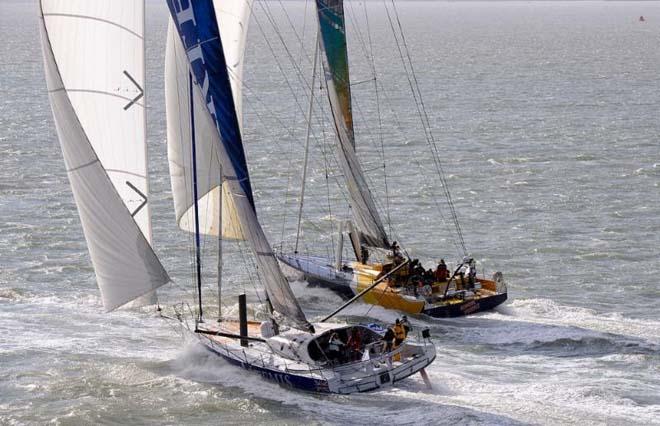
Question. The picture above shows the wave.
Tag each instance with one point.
(319, 297)
(546, 311)
(11, 294)
(408, 403)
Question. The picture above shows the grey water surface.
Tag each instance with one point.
(546, 117)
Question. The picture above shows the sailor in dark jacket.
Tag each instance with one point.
(388, 338)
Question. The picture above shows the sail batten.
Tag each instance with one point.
(197, 28)
(332, 29)
(97, 132)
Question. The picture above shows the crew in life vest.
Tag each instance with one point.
(399, 333)
(399, 337)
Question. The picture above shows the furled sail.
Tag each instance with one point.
(335, 64)
(198, 30)
(94, 62)
(233, 17)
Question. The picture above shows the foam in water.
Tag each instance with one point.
(547, 311)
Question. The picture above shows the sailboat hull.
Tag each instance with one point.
(467, 307)
(362, 376)
(355, 277)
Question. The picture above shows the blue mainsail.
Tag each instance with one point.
(198, 29)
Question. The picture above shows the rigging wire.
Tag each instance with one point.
(247, 261)
(406, 60)
(380, 119)
(188, 186)
(290, 157)
(297, 69)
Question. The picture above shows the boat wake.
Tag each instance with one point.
(10, 294)
(314, 297)
(545, 311)
(408, 403)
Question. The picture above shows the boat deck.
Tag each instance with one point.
(230, 327)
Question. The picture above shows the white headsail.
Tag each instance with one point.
(233, 17)
(94, 61)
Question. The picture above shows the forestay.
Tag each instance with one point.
(233, 18)
(198, 30)
(94, 61)
(335, 64)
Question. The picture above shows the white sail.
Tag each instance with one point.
(233, 18)
(94, 61)
(177, 100)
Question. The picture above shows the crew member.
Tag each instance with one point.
(426, 291)
(364, 253)
(399, 337)
(395, 248)
(335, 347)
(471, 273)
(388, 338)
(406, 325)
(397, 258)
(441, 273)
(355, 344)
(412, 266)
(399, 333)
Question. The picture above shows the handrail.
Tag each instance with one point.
(229, 335)
(319, 369)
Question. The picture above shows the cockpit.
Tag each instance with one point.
(344, 345)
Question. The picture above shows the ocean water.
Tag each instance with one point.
(546, 115)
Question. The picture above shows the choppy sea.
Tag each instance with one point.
(547, 119)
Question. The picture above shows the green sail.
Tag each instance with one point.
(333, 39)
(332, 30)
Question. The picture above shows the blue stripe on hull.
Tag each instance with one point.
(315, 385)
(466, 308)
(286, 379)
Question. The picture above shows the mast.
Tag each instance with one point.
(309, 127)
(198, 260)
(149, 298)
(220, 195)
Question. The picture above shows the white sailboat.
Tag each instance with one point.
(411, 290)
(94, 61)
(205, 150)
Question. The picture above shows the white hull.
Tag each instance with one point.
(360, 376)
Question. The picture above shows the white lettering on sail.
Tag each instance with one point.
(195, 54)
(184, 14)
